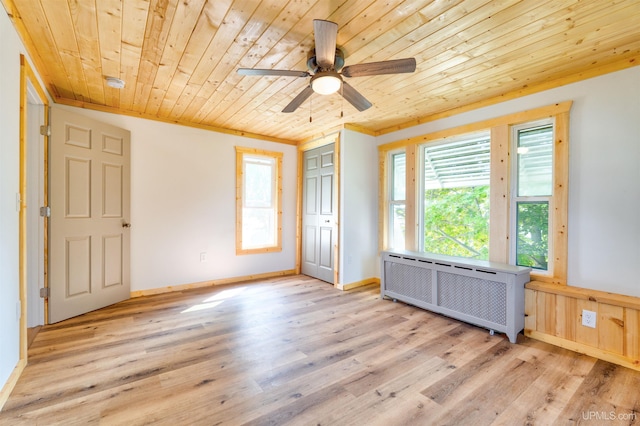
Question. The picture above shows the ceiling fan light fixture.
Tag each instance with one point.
(326, 82)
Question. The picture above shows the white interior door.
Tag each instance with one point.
(318, 219)
(89, 224)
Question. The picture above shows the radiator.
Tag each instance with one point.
(487, 294)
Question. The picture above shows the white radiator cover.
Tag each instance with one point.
(487, 294)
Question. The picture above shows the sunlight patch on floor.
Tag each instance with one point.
(215, 300)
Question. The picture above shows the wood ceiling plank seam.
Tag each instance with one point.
(186, 16)
(299, 34)
(230, 27)
(528, 37)
(134, 17)
(322, 121)
(169, 61)
(352, 25)
(431, 114)
(480, 44)
(47, 59)
(252, 31)
(65, 39)
(436, 28)
(109, 15)
(159, 19)
(361, 42)
(480, 34)
(249, 90)
(224, 94)
(515, 47)
(199, 42)
(155, 33)
(565, 34)
(573, 56)
(445, 35)
(576, 66)
(84, 20)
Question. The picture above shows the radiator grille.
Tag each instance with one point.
(473, 296)
(408, 280)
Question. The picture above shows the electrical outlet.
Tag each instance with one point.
(588, 318)
(203, 256)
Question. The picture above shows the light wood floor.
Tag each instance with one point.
(294, 350)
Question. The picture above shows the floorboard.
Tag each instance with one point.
(296, 351)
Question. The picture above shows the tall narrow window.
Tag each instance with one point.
(533, 189)
(258, 198)
(397, 202)
(455, 188)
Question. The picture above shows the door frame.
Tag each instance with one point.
(28, 80)
(332, 138)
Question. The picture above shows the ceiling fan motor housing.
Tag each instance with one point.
(313, 66)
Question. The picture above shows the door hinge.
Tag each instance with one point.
(45, 211)
(45, 130)
(44, 292)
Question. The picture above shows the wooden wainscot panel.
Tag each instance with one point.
(554, 315)
(610, 328)
(566, 317)
(546, 313)
(529, 309)
(632, 335)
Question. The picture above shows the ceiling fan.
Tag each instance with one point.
(325, 64)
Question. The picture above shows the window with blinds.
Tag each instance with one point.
(455, 176)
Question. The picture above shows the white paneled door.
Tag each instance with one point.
(89, 225)
(318, 219)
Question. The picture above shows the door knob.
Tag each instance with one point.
(327, 221)
(126, 225)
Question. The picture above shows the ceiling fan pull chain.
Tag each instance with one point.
(310, 112)
(342, 101)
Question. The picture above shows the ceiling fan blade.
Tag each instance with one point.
(298, 100)
(395, 66)
(354, 97)
(283, 73)
(326, 33)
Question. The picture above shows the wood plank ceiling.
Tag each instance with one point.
(179, 57)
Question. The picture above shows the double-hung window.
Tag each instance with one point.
(258, 201)
(532, 192)
(397, 200)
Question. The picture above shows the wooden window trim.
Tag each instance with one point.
(277, 156)
(500, 178)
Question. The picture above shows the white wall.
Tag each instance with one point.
(358, 208)
(183, 204)
(10, 49)
(604, 174)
